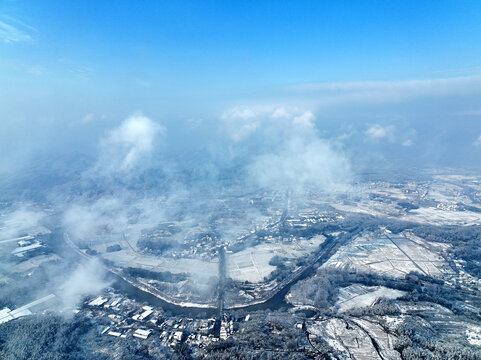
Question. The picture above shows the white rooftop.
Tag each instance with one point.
(142, 334)
(98, 301)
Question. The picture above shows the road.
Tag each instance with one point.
(222, 274)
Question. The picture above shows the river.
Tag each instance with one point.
(275, 302)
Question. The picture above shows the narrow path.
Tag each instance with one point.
(128, 242)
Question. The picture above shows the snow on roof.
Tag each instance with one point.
(145, 314)
(142, 334)
(98, 301)
(23, 249)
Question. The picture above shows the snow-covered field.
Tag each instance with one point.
(354, 339)
(128, 258)
(439, 216)
(252, 264)
(388, 254)
(359, 296)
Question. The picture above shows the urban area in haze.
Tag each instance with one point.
(240, 180)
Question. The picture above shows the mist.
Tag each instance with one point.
(170, 141)
(114, 178)
(86, 279)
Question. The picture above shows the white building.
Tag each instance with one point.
(142, 334)
(6, 314)
(99, 301)
(178, 335)
(23, 249)
(145, 314)
(223, 333)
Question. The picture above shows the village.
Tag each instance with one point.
(124, 317)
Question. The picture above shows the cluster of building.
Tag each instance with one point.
(198, 332)
(205, 248)
(201, 243)
(128, 318)
(306, 219)
(27, 245)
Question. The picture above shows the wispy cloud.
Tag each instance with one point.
(335, 93)
(77, 69)
(462, 71)
(477, 142)
(469, 113)
(401, 134)
(407, 143)
(13, 30)
(36, 70)
(194, 123)
(86, 119)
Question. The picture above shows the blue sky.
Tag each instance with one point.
(226, 48)
(63, 62)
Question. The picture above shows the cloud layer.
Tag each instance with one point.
(376, 92)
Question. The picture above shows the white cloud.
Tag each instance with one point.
(126, 145)
(291, 155)
(407, 143)
(377, 131)
(241, 131)
(305, 120)
(240, 123)
(240, 112)
(281, 113)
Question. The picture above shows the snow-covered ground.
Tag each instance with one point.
(252, 264)
(358, 295)
(388, 254)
